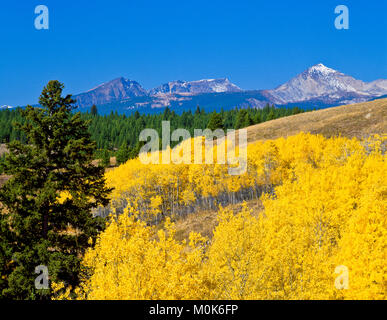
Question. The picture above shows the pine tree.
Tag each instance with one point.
(216, 122)
(297, 110)
(46, 217)
(94, 110)
(272, 113)
(241, 118)
(258, 118)
(247, 121)
(122, 154)
(106, 158)
(166, 114)
(133, 153)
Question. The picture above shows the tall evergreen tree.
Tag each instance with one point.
(241, 118)
(38, 224)
(216, 122)
(271, 114)
(133, 153)
(247, 121)
(106, 158)
(122, 154)
(258, 118)
(94, 110)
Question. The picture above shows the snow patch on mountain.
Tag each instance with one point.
(327, 84)
(196, 87)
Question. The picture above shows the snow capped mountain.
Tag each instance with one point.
(115, 90)
(122, 89)
(6, 107)
(327, 85)
(196, 87)
(321, 69)
(316, 86)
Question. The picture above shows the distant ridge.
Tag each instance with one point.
(316, 87)
(112, 91)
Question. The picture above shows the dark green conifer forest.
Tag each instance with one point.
(117, 134)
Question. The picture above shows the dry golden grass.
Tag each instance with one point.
(355, 120)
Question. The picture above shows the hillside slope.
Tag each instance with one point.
(355, 120)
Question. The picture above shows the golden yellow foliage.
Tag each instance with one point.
(152, 269)
(325, 207)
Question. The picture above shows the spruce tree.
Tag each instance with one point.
(106, 158)
(46, 204)
(122, 154)
(240, 119)
(271, 115)
(258, 117)
(247, 121)
(134, 152)
(216, 122)
(94, 110)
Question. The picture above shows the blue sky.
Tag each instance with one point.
(256, 44)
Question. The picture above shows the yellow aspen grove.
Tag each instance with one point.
(324, 209)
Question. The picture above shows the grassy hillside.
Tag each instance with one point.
(355, 120)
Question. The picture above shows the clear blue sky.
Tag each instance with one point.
(256, 44)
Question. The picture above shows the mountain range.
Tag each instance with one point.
(317, 86)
